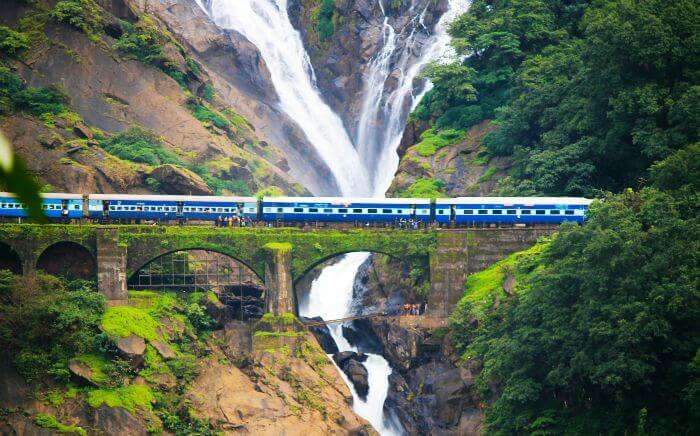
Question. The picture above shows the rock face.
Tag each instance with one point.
(460, 166)
(81, 371)
(323, 335)
(176, 180)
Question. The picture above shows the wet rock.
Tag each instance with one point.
(342, 358)
(81, 371)
(322, 334)
(357, 373)
(165, 351)
(216, 309)
(132, 348)
(176, 180)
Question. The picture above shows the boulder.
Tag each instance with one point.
(116, 420)
(342, 358)
(165, 351)
(81, 371)
(132, 348)
(82, 131)
(357, 373)
(175, 180)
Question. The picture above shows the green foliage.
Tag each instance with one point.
(123, 321)
(16, 96)
(424, 188)
(207, 114)
(587, 95)
(12, 43)
(44, 321)
(99, 365)
(141, 146)
(45, 420)
(325, 26)
(432, 141)
(198, 317)
(602, 337)
(84, 15)
(129, 397)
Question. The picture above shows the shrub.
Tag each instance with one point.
(325, 27)
(128, 397)
(44, 321)
(12, 43)
(432, 141)
(16, 96)
(122, 321)
(83, 15)
(209, 115)
(198, 317)
(45, 420)
(141, 146)
(424, 188)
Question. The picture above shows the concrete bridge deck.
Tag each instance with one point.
(279, 256)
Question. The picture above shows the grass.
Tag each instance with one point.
(127, 397)
(432, 141)
(488, 174)
(484, 287)
(424, 188)
(46, 420)
(123, 321)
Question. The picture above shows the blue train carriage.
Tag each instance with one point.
(170, 207)
(339, 209)
(512, 210)
(54, 206)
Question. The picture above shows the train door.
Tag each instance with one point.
(105, 209)
(453, 214)
(86, 206)
(64, 209)
(180, 209)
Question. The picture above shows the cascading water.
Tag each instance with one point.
(363, 169)
(266, 24)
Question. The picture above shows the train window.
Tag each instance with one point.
(313, 209)
(526, 212)
(371, 210)
(483, 212)
(342, 211)
(357, 211)
(280, 210)
(510, 211)
(440, 212)
(497, 212)
(327, 210)
(568, 212)
(76, 207)
(539, 212)
(399, 211)
(386, 210)
(554, 212)
(468, 212)
(298, 209)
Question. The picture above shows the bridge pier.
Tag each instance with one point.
(279, 295)
(111, 265)
(460, 253)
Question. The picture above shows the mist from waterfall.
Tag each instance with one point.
(365, 167)
(265, 23)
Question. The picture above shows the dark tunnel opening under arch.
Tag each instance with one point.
(9, 259)
(69, 260)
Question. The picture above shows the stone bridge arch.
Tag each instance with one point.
(68, 259)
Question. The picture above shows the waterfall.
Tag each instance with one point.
(378, 141)
(363, 168)
(265, 23)
(330, 297)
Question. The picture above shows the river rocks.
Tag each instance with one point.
(176, 180)
(132, 348)
(350, 363)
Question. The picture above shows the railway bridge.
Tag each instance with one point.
(279, 257)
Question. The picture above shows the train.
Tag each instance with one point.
(462, 211)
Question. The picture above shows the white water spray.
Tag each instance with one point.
(266, 24)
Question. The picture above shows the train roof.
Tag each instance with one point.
(528, 201)
(60, 195)
(173, 198)
(346, 200)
